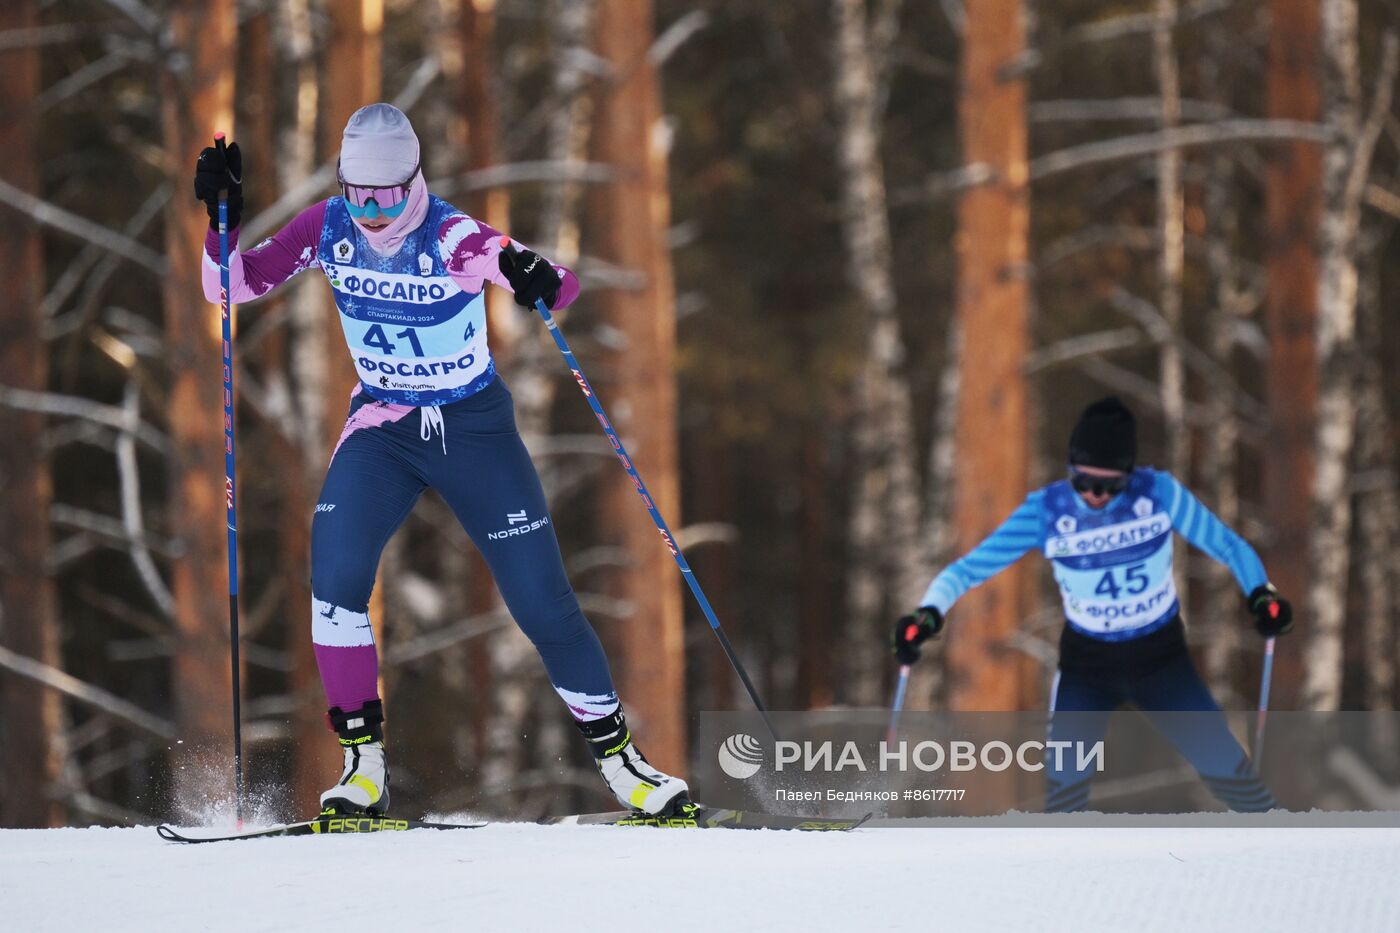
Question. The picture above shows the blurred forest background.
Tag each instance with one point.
(851, 268)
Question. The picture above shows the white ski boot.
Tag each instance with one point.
(633, 781)
(364, 781)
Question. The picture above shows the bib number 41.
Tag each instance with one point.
(375, 337)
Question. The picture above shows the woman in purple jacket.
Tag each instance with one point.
(408, 272)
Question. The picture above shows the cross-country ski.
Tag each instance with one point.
(320, 826)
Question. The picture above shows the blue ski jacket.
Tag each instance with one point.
(1114, 564)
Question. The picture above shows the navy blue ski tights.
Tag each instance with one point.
(471, 453)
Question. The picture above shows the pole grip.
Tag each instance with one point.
(221, 147)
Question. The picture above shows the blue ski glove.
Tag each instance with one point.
(911, 631)
(1273, 615)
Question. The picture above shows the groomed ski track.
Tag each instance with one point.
(520, 877)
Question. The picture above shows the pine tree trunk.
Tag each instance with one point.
(351, 80)
(197, 100)
(1330, 545)
(495, 661)
(816, 575)
(301, 347)
(630, 217)
(314, 759)
(1294, 196)
(884, 568)
(477, 131)
(715, 499)
(31, 730)
(310, 323)
(1378, 520)
(1378, 515)
(993, 306)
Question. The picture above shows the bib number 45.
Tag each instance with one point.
(1134, 582)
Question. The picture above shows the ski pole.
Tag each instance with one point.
(1265, 679)
(636, 477)
(898, 705)
(229, 502)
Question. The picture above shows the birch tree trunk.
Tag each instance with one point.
(31, 730)
(630, 217)
(532, 373)
(938, 535)
(1294, 196)
(1336, 302)
(1220, 450)
(1171, 263)
(1225, 626)
(537, 360)
(884, 571)
(197, 100)
(993, 307)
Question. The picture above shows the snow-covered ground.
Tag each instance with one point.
(528, 878)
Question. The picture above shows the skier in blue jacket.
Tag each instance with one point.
(1107, 531)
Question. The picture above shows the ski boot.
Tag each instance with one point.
(363, 787)
(633, 781)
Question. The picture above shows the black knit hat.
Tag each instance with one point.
(1106, 436)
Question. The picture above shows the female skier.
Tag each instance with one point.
(407, 271)
(1107, 531)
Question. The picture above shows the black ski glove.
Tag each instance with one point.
(1273, 615)
(215, 172)
(911, 631)
(530, 277)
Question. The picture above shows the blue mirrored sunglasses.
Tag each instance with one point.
(388, 200)
(371, 209)
(1098, 485)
